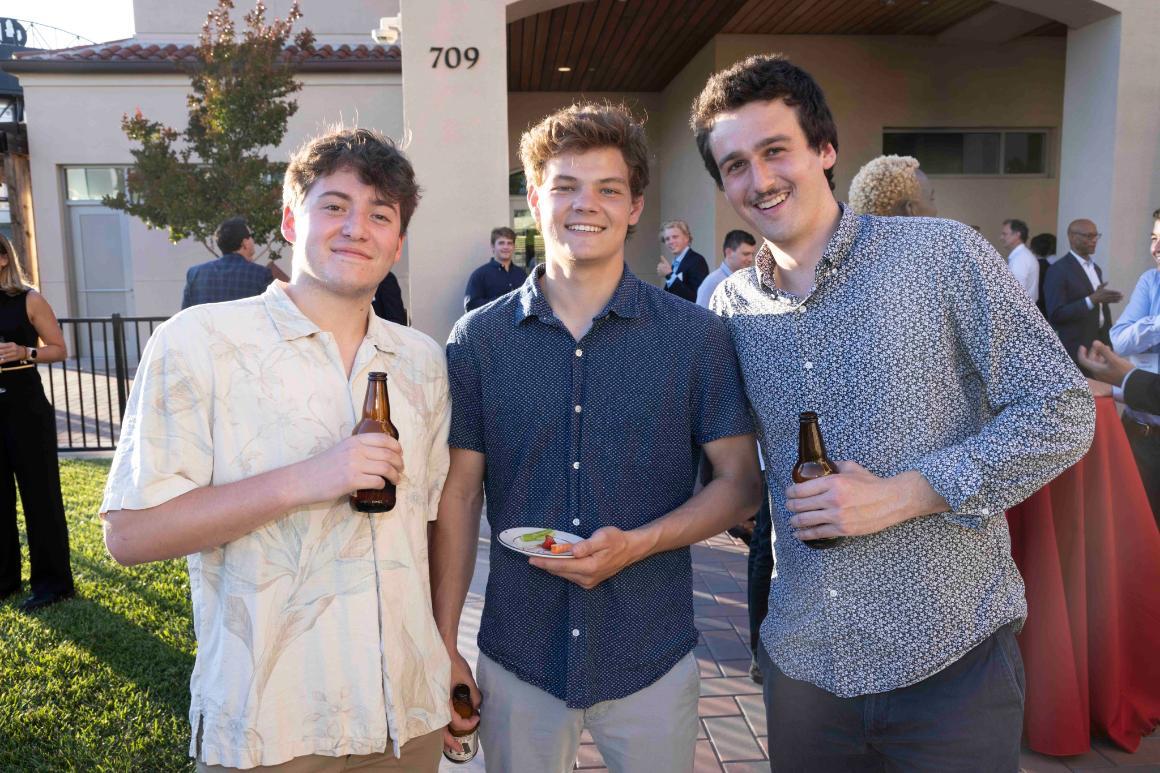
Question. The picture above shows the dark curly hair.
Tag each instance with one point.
(763, 78)
(374, 157)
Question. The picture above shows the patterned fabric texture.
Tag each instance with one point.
(951, 372)
(605, 431)
(315, 633)
(229, 278)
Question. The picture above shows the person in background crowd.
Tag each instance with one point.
(498, 276)
(944, 400)
(29, 334)
(232, 276)
(684, 274)
(316, 645)
(1043, 248)
(388, 301)
(738, 249)
(892, 186)
(1137, 334)
(1020, 259)
(1076, 295)
(605, 447)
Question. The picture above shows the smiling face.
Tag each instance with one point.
(584, 206)
(502, 248)
(346, 237)
(675, 240)
(775, 181)
(1155, 243)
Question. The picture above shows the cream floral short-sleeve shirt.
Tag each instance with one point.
(315, 632)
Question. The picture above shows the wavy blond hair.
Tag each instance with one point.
(884, 185)
(12, 279)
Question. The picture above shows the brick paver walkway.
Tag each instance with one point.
(732, 737)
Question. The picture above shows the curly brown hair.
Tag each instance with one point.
(763, 78)
(375, 158)
(584, 127)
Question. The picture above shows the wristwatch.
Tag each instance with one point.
(31, 352)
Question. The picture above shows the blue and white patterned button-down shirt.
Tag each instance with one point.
(953, 373)
(605, 431)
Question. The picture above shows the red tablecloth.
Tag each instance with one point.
(1089, 551)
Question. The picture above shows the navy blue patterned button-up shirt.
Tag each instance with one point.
(229, 278)
(605, 431)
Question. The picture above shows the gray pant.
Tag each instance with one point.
(967, 717)
(525, 730)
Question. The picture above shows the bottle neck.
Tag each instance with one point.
(810, 445)
(376, 405)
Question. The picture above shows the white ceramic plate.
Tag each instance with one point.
(510, 538)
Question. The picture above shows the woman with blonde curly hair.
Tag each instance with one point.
(892, 185)
(28, 441)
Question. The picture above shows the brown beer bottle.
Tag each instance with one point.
(813, 463)
(461, 702)
(376, 418)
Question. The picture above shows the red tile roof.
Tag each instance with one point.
(137, 56)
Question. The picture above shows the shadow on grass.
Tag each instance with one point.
(161, 672)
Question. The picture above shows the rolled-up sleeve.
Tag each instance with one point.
(1042, 415)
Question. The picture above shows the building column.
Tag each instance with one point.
(1110, 145)
(455, 114)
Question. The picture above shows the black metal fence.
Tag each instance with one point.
(89, 389)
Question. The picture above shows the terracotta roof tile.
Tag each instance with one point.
(129, 51)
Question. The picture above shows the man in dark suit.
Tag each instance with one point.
(1076, 296)
(388, 300)
(232, 276)
(685, 272)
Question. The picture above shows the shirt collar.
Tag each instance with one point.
(292, 324)
(625, 301)
(1088, 261)
(724, 268)
(681, 256)
(839, 246)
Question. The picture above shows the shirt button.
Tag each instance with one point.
(833, 593)
(809, 366)
(578, 409)
(575, 521)
(575, 632)
(801, 309)
(575, 465)
(985, 511)
(579, 352)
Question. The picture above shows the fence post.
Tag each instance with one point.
(120, 366)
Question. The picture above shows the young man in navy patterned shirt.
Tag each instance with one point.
(949, 398)
(605, 446)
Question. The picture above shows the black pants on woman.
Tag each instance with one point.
(28, 460)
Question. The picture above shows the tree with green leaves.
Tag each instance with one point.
(188, 182)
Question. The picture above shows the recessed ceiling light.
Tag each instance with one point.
(564, 69)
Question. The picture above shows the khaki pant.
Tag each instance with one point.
(420, 755)
(523, 729)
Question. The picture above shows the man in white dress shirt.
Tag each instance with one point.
(1020, 259)
(739, 248)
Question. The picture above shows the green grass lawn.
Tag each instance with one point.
(99, 683)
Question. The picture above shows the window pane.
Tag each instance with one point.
(1025, 153)
(78, 189)
(981, 153)
(937, 152)
(517, 184)
(93, 183)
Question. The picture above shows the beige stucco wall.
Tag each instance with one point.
(525, 109)
(873, 83)
(75, 120)
(349, 21)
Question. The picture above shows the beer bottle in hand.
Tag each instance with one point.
(461, 702)
(376, 418)
(813, 463)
